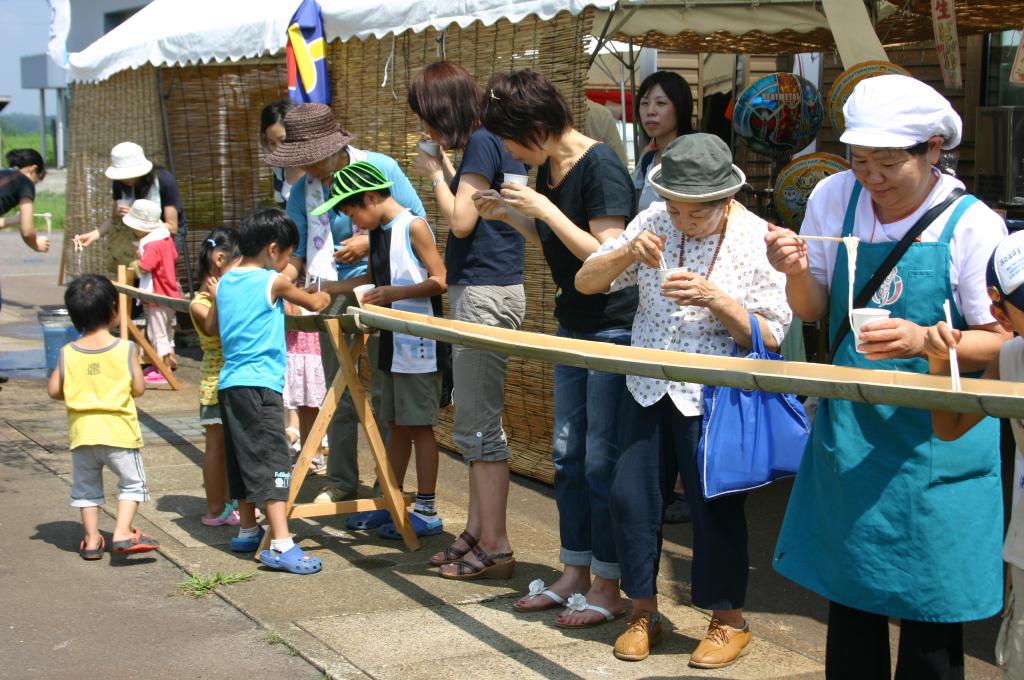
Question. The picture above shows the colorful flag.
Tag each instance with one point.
(306, 55)
(60, 25)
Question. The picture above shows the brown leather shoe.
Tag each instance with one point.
(721, 646)
(641, 634)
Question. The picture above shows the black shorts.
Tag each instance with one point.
(258, 462)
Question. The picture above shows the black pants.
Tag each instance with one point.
(858, 648)
(656, 443)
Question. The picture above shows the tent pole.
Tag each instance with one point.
(632, 91)
(182, 228)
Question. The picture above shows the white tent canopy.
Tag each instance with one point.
(179, 32)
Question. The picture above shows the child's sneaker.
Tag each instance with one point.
(421, 524)
(153, 376)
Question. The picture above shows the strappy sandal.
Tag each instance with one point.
(451, 554)
(498, 566)
(139, 542)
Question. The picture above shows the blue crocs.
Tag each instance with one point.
(367, 521)
(247, 544)
(421, 526)
(294, 560)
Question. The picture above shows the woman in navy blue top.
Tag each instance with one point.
(484, 259)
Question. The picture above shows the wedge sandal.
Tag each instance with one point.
(497, 566)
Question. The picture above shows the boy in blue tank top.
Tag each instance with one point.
(250, 317)
(407, 274)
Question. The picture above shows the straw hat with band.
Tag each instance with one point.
(311, 135)
(898, 112)
(127, 160)
(696, 168)
(144, 215)
(354, 178)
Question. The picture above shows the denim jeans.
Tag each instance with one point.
(584, 452)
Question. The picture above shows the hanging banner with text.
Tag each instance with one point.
(1017, 72)
(947, 44)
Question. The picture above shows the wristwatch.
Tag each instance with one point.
(437, 180)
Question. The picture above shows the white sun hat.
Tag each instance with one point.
(897, 112)
(144, 215)
(127, 160)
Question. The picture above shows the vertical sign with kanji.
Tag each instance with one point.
(947, 44)
(1017, 71)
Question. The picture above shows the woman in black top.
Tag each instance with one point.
(584, 197)
(484, 260)
(18, 190)
(134, 176)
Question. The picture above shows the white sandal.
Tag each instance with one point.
(577, 602)
(538, 589)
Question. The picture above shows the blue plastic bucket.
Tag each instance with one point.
(57, 332)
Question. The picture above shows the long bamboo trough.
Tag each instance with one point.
(997, 398)
(991, 397)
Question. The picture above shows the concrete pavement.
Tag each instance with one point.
(376, 610)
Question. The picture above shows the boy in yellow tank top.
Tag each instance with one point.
(98, 377)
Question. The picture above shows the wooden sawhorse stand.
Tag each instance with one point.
(392, 498)
(125, 315)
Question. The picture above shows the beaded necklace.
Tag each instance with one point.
(718, 246)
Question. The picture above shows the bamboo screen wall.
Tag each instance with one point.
(213, 122)
(213, 114)
(381, 120)
(124, 108)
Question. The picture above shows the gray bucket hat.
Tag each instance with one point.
(311, 135)
(696, 168)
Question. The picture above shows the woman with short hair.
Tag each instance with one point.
(664, 108)
(583, 198)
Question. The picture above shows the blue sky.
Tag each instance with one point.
(24, 30)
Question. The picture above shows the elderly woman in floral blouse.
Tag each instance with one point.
(723, 275)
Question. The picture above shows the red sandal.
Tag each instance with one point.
(139, 542)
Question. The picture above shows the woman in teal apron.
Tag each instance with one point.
(884, 519)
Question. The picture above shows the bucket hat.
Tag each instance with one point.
(127, 160)
(897, 112)
(311, 135)
(696, 168)
(144, 215)
(354, 178)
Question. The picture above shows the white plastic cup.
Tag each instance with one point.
(512, 178)
(360, 291)
(429, 148)
(663, 273)
(863, 315)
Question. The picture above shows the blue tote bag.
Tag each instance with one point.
(749, 438)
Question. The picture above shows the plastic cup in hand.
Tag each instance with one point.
(360, 291)
(663, 273)
(864, 315)
(429, 148)
(512, 178)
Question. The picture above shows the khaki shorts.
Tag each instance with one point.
(409, 399)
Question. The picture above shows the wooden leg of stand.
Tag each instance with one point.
(123, 306)
(309, 448)
(60, 272)
(134, 331)
(388, 484)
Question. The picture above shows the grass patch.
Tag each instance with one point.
(53, 203)
(201, 586)
(13, 139)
